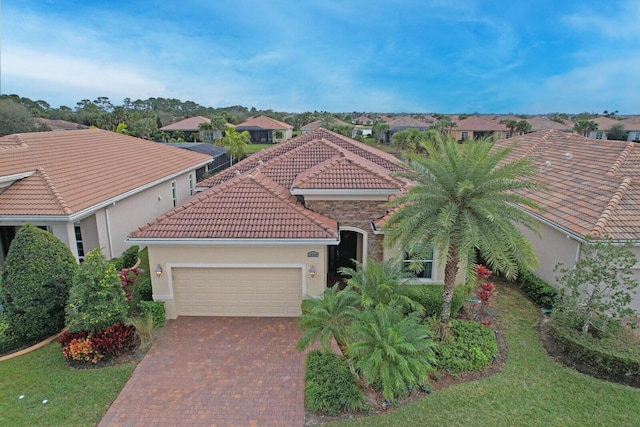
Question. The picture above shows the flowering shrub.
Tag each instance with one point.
(484, 294)
(127, 278)
(114, 341)
(482, 272)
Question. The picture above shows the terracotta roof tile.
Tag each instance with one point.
(263, 122)
(475, 123)
(190, 124)
(77, 169)
(593, 185)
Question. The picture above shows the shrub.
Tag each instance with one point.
(96, 300)
(616, 350)
(156, 310)
(130, 256)
(537, 289)
(330, 387)
(144, 328)
(430, 297)
(469, 347)
(36, 279)
(143, 290)
(118, 263)
(105, 344)
(8, 340)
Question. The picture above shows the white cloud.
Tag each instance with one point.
(615, 23)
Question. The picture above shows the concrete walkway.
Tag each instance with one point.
(216, 371)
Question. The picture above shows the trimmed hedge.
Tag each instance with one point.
(537, 289)
(430, 296)
(330, 387)
(471, 346)
(156, 310)
(615, 353)
(36, 279)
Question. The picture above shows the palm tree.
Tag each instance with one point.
(391, 348)
(585, 127)
(511, 124)
(523, 127)
(409, 141)
(206, 131)
(328, 317)
(465, 201)
(234, 142)
(378, 284)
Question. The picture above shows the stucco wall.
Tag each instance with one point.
(355, 213)
(201, 255)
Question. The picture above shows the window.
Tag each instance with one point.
(507, 135)
(174, 194)
(599, 134)
(191, 187)
(425, 264)
(465, 135)
(79, 245)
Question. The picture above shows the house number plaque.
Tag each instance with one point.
(312, 254)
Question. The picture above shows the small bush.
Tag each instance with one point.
(8, 340)
(156, 310)
(105, 344)
(469, 347)
(144, 328)
(430, 297)
(143, 290)
(537, 289)
(614, 350)
(130, 256)
(118, 263)
(330, 387)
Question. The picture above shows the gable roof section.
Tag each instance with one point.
(190, 124)
(250, 206)
(593, 185)
(76, 170)
(406, 122)
(262, 122)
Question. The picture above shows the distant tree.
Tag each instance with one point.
(36, 279)
(235, 143)
(144, 128)
(611, 114)
(379, 131)
(585, 127)
(409, 141)
(511, 124)
(14, 118)
(445, 126)
(206, 131)
(617, 132)
(523, 127)
(345, 130)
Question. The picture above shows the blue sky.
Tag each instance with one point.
(447, 56)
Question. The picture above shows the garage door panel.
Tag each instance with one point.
(264, 292)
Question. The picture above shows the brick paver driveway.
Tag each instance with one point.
(218, 371)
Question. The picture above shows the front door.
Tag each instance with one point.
(342, 255)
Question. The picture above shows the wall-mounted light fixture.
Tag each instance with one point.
(312, 271)
(159, 270)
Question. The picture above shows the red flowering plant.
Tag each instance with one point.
(127, 278)
(484, 294)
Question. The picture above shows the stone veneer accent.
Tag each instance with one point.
(355, 213)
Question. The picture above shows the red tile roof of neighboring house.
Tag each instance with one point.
(475, 123)
(263, 122)
(605, 123)
(60, 124)
(77, 169)
(318, 123)
(545, 123)
(631, 123)
(190, 124)
(593, 185)
(319, 159)
(406, 122)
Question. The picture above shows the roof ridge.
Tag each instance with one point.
(546, 135)
(620, 160)
(54, 191)
(19, 145)
(611, 207)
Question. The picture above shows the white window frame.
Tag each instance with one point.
(464, 135)
(599, 134)
(192, 187)
(420, 279)
(174, 193)
(77, 234)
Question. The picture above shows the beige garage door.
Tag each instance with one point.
(268, 292)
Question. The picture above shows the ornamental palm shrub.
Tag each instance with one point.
(391, 349)
(96, 300)
(327, 317)
(380, 283)
(36, 279)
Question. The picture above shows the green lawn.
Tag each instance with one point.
(254, 148)
(532, 389)
(75, 397)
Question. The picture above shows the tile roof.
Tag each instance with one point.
(190, 124)
(544, 123)
(593, 185)
(406, 122)
(262, 122)
(241, 201)
(605, 123)
(475, 123)
(77, 169)
(60, 124)
(249, 206)
(318, 123)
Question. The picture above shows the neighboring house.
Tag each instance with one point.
(603, 123)
(474, 127)
(362, 121)
(404, 123)
(220, 159)
(89, 188)
(191, 125)
(315, 125)
(58, 125)
(274, 228)
(539, 123)
(593, 192)
(632, 124)
(265, 130)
